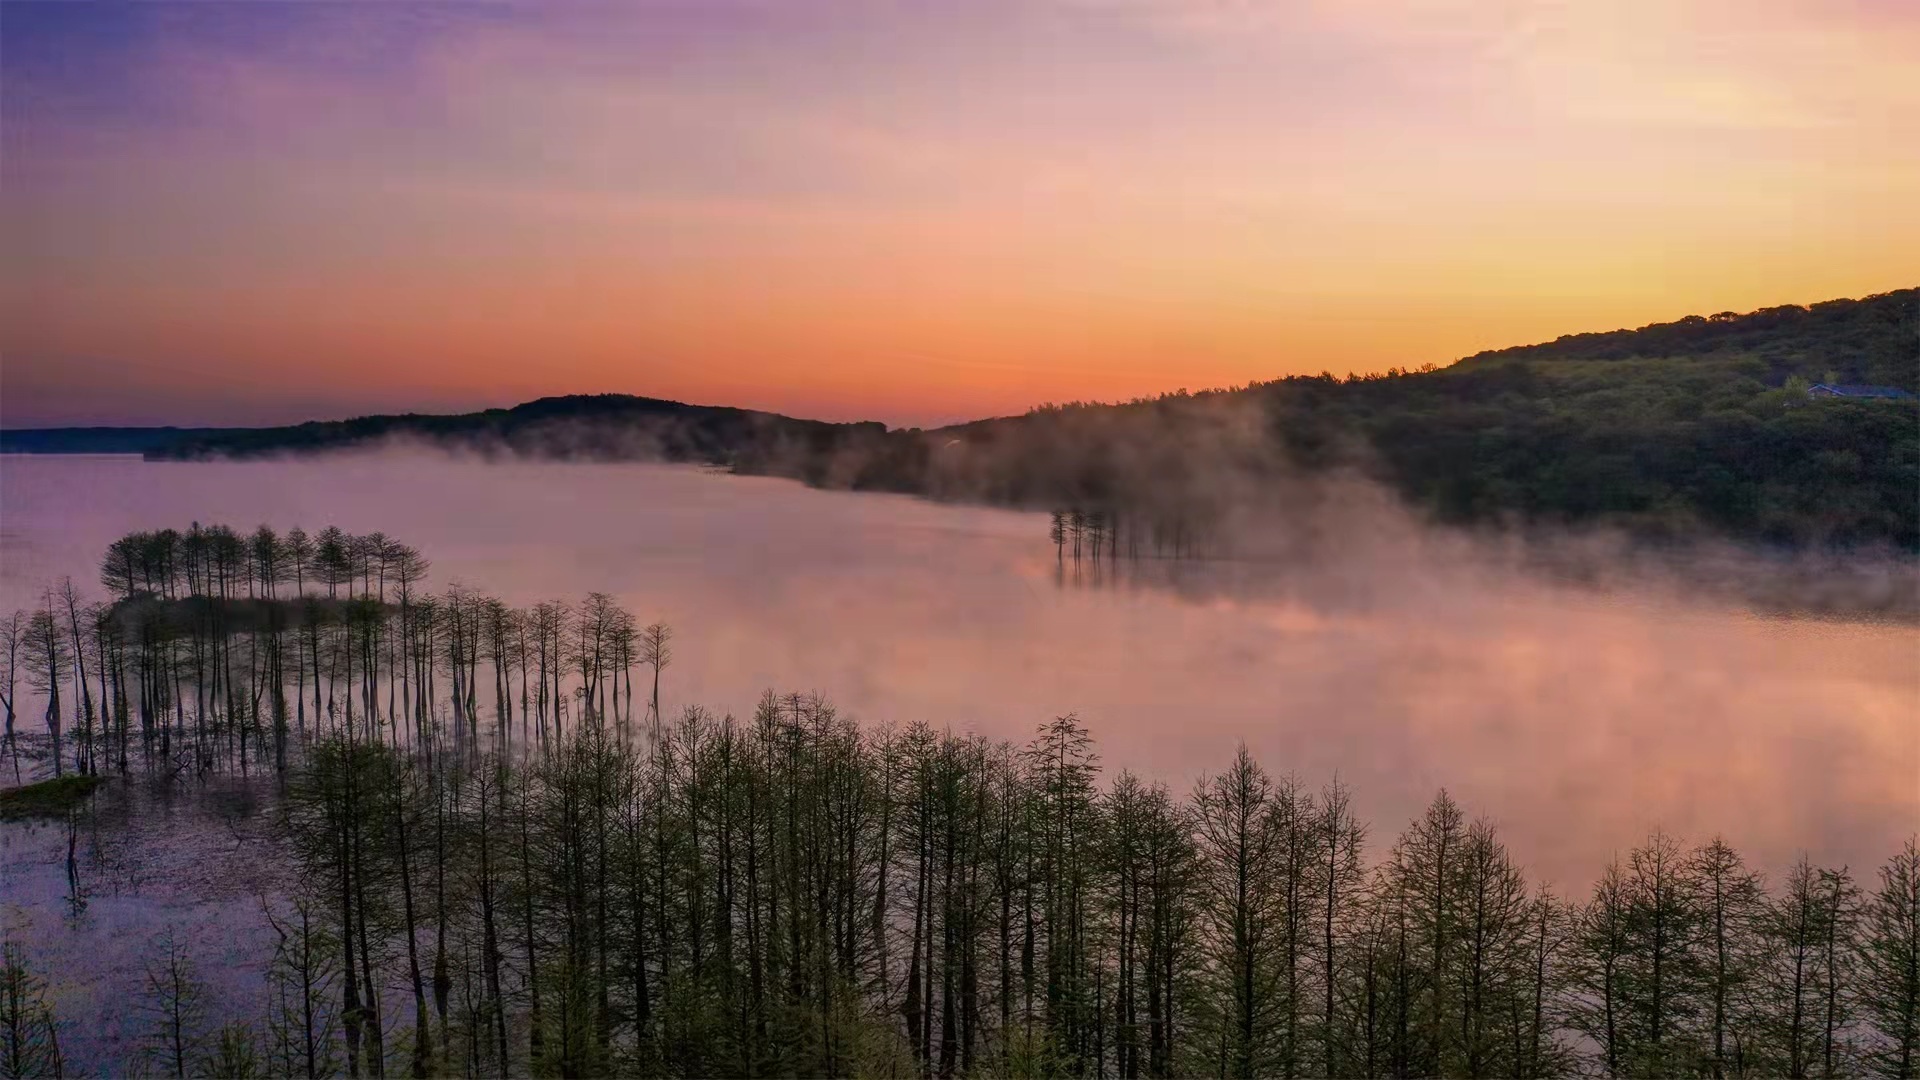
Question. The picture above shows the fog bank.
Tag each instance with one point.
(1343, 637)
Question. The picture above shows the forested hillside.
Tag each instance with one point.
(1698, 422)
(1701, 427)
(585, 426)
(1872, 340)
(1697, 427)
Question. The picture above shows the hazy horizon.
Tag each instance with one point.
(223, 214)
(290, 413)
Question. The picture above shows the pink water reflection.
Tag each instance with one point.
(1577, 721)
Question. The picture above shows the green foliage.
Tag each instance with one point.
(1663, 432)
(795, 896)
(1870, 340)
(1689, 429)
(1891, 966)
(235, 1055)
(47, 798)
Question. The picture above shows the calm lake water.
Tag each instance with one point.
(1577, 720)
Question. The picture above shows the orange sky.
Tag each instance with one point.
(238, 213)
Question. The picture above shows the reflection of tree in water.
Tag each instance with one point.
(1103, 547)
(1108, 534)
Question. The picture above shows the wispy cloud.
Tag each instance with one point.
(788, 197)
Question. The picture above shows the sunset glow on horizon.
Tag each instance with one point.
(232, 213)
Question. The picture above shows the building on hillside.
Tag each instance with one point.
(1837, 390)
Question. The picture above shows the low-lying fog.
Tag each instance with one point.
(1577, 720)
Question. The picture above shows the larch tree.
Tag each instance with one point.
(29, 1031)
(1890, 967)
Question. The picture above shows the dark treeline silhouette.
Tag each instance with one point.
(793, 895)
(1079, 533)
(583, 426)
(511, 862)
(226, 649)
(1696, 428)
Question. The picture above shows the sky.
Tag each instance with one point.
(250, 213)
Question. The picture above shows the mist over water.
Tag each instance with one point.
(1577, 719)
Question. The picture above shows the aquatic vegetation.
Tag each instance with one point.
(47, 798)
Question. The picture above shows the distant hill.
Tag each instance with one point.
(1700, 426)
(594, 427)
(100, 440)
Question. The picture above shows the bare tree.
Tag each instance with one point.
(29, 1032)
(174, 1006)
(47, 665)
(656, 652)
(13, 638)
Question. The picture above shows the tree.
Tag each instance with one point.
(1799, 1038)
(1732, 904)
(332, 562)
(1341, 876)
(1237, 838)
(1603, 941)
(29, 1033)
(301, 982)
(13, 637)
(47, 665)
(298, 555)
(656, 652)
(173, 1006)
(1426, 870)
(1496, 916)
(1890, 966)
(1663, 928)
(235, 1054)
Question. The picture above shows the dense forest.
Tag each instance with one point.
(1674, 431)
(1696, 428)
(511, 862)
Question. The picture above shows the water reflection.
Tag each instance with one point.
(86, 895)
(1576, 718)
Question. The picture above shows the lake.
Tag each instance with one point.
(1577, 720)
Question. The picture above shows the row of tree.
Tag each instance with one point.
(215, 651)
(795, 895)
(1110, 534)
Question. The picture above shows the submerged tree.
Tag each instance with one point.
(47, 668)
(13, 639)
